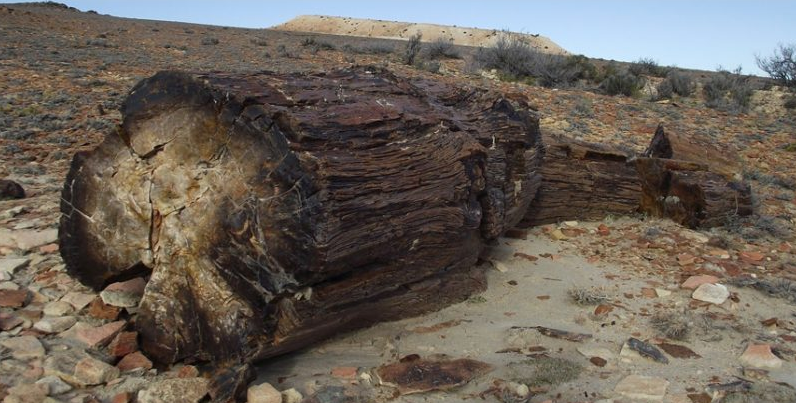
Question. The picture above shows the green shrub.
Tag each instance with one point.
(728, 91)
(583, 67)
(516, 60)
(675, 83)
(412, 49)
(647, 67)
(622, 82)
(441, 48)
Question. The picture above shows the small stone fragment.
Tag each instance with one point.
(291, 396)
(124, 343)
(177, 390)
(600, 362)
(100, 310)
(9, 321)
(693, 282)
(14, 298)
(24, 347)
(712, 293)
(94, 336)
(646, 350)
(10, 190)
(424, 375)
(557, 334)
(11, 265)
(78, 300)
(603, 230)
(662, 293)
(558, 235)
(134, 361)
(49, 248)
(30, 239)
(678, 351)
(124, 397)
(760, 356)
(642, 387)
(263, 393)
(345, 372)
(55, 385)
(90, 371)
(58, 308)
(54, 324)
(124, 294)
(27, 393)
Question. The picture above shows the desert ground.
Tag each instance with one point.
(604, 287)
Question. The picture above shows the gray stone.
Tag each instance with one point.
(54, 324)
(24, 347)
(124, 294)
(11, 265)
(27, 393)
(79, 368)
(58, 308)
(79, 300)
(177, 390)
(9, 285)
(55, 385)
(27, 239)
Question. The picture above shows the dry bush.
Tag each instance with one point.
(587, 296)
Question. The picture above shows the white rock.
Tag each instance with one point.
(54, 324)
(291, 396)
(500, 266)
(263, 393)
(27, 239)
(11, 265)
(58, 308)
(571, 224)
(662, 293)
(9, 285)
(650, 388)
(712, 293)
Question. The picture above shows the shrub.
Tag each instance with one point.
(316, 45)
(790, 102)
(412, 49)
(209, 41)
(647, 67)
(583, 68)
(441, 48)
(781, 66)
(621, 82)
(515, 59)
(373, 49)
(728, 90)
(675, 83)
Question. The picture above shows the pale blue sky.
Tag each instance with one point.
(687, 33)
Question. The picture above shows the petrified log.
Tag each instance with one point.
(583, 181)
(721, 160)
(274, 210)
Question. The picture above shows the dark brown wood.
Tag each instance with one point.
(274, 210)
(583, 181)
(721, 159)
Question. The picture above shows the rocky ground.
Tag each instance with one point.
(623, 310)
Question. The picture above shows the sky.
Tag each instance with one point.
(701, 34)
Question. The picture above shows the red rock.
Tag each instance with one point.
(602, 309)
(600, 362)
(648, 292)
(124, 397)
(123, 344)
(694, 282)
(603, 230)
(133, 361)
(49, 248)
(13, 298)
(100, 310)
(685, 259)
(187, 371)
(345, 372)
(95, 336)
(751, 257)
(9, 321)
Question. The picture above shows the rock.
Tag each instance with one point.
(78, 300)
(662, 293)
(642, 387)
(94, 336)
(13, 298)
(10, 190)
(423, 375)
(647, 350)
(27, 393)
(12, 212)
(90, 371)
(177, 390)
(54, 324)
(712, 293)
(58, 308)
(263, 393)
(124, 343)
(49, 248)
(760, 356)
(345, 372)
(693, 282)
(124, 294)
(291, 396)
(134, 361)
(8, 285)
(599, 352)
(24, 347)
(603, 230)
(685, 259)
(100, 310)
(9, 321)
(55, 385)
(558, 235)
(11, 265)
(124, 397)
(28, 239)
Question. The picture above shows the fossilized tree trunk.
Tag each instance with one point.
(275, 210)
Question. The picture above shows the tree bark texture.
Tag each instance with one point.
(274, 210)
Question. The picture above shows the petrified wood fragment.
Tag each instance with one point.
(274, 210)
(583, 181)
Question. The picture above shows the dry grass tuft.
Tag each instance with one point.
(587, 296)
